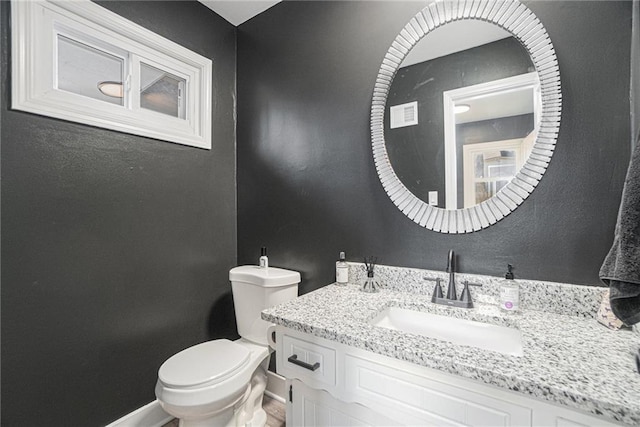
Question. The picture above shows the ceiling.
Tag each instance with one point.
(454, 37)
(238, 11)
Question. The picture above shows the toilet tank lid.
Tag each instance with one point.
(267, 277)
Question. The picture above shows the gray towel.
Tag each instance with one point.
(621, 268)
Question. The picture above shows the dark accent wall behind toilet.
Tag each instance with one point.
(307, 185)
(635, 75)
(115, 248)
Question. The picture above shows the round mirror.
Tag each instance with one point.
(465, 113)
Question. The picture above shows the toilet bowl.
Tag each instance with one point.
(221, 382)
(212, 384)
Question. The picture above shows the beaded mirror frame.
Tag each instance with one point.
(523, 24)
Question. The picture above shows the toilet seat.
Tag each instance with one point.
(204, 365)
(220, 373)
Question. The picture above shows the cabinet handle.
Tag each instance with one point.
(294, 359)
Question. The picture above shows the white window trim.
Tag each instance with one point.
(34, 28)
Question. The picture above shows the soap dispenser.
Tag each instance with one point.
(264, 261)
(342, 270)
(509, 291)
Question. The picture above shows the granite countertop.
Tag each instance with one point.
(570, 360)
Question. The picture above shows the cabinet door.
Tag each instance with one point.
(310, 408)
(432, 401)
(554, 416)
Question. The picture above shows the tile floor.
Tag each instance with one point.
(275, 413)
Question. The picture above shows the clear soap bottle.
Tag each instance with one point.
(342, 270)
(509, 292)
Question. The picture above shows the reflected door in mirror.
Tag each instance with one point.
(488, 167)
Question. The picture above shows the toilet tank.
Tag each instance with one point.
(256, 288)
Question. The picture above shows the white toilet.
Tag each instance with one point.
(221, 382)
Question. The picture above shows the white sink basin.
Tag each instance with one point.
(457, 331)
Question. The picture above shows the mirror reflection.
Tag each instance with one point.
(462, 114)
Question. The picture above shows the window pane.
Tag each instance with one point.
(483, 191)
(487, 189)
(161, 91)
(501, 170)
(495, 164)
(82, 69)
(478, 165)
(502, 164)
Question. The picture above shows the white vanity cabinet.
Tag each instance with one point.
(310, 407)
(332, 384)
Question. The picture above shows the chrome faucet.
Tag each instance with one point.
(452, 295)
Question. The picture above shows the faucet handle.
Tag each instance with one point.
(468, 283)
(437, 289)
(466, 295)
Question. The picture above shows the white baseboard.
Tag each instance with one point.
(150, 415)
(276, 387)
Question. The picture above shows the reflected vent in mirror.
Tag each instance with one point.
(404, 115)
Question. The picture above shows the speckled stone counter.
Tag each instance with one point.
(568, 358)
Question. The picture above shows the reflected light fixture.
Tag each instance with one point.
(113, 89)
(461, 108)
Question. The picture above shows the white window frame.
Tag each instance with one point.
(35, 27)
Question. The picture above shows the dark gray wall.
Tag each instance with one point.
(307, 185)
(417, 152)
(115, 248)
(635, 75)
